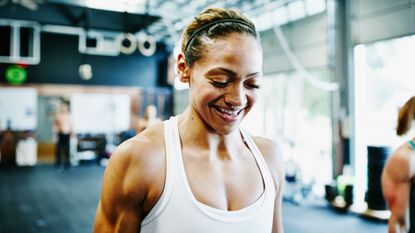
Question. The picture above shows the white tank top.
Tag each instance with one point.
(178, 211)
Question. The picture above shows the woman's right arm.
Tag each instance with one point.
(127, 179)
(396, 186)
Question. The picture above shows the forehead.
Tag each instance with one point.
(234, 49)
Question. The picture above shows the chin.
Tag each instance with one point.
(227, 129)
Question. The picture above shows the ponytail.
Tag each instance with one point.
(406, 116)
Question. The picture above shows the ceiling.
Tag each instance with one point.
(163, 19)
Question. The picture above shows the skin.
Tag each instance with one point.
(396, 185)
(62, 123)
(220, 168)
(150, 117)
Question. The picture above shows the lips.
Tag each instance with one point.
(228, 114)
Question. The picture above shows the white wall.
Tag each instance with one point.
(100, 113)
(19, 106)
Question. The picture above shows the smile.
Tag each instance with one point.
(228, 114)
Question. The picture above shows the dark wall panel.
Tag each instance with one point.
(60, 61)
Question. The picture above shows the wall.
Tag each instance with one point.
(60, 60)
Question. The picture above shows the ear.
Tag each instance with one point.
(182, 68)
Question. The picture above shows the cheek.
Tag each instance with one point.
(252, 97)
(202, 93)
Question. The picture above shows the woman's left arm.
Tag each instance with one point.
(273, 157)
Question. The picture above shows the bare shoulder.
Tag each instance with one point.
(269, 149)
(272, 155)
(397, 166)
(142, 155)
(135, 169)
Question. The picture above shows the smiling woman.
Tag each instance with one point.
(199, 171)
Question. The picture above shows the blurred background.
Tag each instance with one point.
(336, 73)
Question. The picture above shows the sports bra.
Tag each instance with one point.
(412, 159)
(412, 144)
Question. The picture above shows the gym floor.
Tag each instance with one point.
(42, 200)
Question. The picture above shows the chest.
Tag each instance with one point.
(63, 118)
(227, 184)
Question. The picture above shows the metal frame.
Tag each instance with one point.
(14, 56)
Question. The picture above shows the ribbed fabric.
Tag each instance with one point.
(412, 160)
(412, 144)
(411, 208)
(178, 211)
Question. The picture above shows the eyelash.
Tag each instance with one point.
(219, 84)
(253, 86)
(223, 85)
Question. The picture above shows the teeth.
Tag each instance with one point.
(233, 113)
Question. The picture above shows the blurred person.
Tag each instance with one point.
(8, 141)
(62, 128)
(150, 117)
(398, 174)
(199, 171)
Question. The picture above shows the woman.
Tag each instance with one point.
(398, 174)
(198, 172)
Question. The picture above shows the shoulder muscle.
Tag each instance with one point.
(134, 172)
(273, 157)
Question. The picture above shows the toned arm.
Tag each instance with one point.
(396, 186)
(273, 158)
(130, 186)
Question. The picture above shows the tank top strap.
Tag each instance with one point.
(412, 159)
(270, 183)
(412, 144)
(170, 150)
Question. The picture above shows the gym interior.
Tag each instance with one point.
(335, 74)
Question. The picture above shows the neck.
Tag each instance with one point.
(193, 129)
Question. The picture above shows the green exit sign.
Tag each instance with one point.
(16, 74)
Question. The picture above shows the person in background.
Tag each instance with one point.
(62, 128)
(398, 174)
(150, 117)
(8, 141)
(199, 171)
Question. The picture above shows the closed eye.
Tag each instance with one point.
(252, 86)
(219, 84)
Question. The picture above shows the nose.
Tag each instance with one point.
(236, 97)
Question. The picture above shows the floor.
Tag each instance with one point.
(43, 200)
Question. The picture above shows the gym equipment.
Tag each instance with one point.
(377, 156)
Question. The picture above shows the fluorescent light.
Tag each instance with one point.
(136, 6)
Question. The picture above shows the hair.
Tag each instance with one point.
(406, 116)
(204, 27)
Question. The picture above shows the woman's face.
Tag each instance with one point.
(225, 81)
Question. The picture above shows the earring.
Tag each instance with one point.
(184, 78)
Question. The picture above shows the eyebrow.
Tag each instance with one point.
(229, 72)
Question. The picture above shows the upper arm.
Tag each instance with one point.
(396, 183)
(55, 121)
(118, 210)
(125, 189)
(395, 174)
(273, 157)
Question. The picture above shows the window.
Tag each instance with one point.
(289, 112)
(384, 80)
